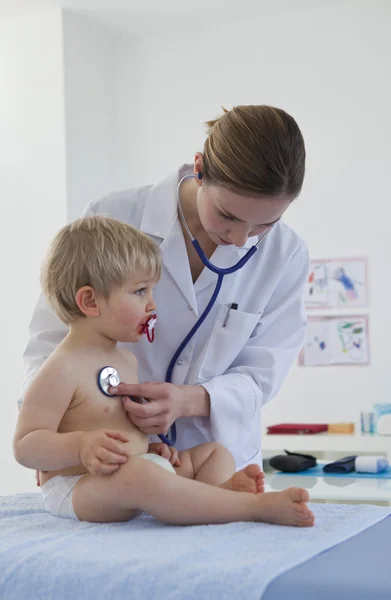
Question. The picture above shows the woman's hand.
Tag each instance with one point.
(166, 403)
(170, 453)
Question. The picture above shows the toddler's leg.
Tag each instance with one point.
(212, 463)
(140, 484)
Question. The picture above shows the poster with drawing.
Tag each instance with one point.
(336, 341)
(337, 283)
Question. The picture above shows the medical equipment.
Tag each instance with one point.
(382, 419)
(109, 377)
(346, 556)
(371, 464)
(367, 420)
(220, 272)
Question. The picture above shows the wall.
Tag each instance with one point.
(328, 67)
(90, 55)
(59, 123)
(131, 110)
(32, 179)
(130, 123)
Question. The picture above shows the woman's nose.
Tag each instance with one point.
(238, 237)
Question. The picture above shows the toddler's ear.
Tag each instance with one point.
(87, 302)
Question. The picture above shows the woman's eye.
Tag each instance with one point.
(140, 292)
(226, 217)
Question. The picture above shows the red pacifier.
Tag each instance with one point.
(149, 327)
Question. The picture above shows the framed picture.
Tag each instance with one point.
(337, 283)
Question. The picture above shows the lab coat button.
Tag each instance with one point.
(179, 362)
(190, 307)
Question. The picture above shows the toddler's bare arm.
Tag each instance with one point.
(37, 444)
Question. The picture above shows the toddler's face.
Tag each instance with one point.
(127, 309)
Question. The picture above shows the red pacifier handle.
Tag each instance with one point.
(149, 328)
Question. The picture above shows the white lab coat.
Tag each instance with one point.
(241, 365)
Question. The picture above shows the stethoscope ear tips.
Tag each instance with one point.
(199, 175)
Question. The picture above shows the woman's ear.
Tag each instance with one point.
(198, 164)
(87, 302)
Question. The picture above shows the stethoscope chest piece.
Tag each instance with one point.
(108, 377)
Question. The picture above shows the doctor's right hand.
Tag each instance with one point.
(101, 451)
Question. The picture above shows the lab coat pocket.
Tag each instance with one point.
(225, 343)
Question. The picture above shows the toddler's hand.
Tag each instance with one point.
(101, 452)
(168, 452)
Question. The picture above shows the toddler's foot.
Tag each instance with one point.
(285, 508)
(250, 479)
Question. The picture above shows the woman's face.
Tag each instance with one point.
(229, 218)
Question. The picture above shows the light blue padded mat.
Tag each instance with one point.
(358, 569)
(318, 472)
(47, 558)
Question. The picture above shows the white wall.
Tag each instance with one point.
(134, 110)
(32, 180)
(58, 130)
(90, 56)
(329, 67)
(131, 167)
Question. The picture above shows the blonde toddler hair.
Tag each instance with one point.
(96, 251)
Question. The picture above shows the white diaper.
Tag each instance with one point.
(58, 491)
(57, 495)
(159, 460)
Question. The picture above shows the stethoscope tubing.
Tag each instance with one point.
(221, 273)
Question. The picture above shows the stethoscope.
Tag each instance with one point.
(108, 376)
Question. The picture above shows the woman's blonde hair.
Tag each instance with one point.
(96, 251)
(255, 150)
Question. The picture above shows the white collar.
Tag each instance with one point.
(161, 206)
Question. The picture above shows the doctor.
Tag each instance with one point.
(252, 168)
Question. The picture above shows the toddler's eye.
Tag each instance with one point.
(140, 292)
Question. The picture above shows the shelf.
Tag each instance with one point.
(327, 442)
(333, 488)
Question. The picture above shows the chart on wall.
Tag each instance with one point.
(337, 283)
(336, 341)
